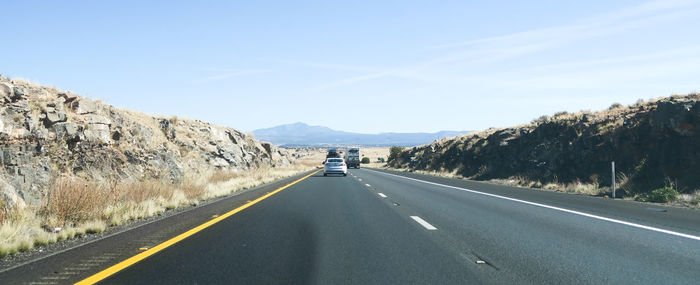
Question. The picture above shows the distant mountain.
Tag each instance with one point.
(300, 134)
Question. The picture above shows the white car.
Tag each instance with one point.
(335, 166)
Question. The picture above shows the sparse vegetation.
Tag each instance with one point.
(615, 106)
(650, 141)
(72, 200)
(74, 206)
(394, 152)
(97, 166)
(560, 114)
(661, 195)
(667, 194)
(365, 160)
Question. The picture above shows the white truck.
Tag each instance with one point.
(352, 157)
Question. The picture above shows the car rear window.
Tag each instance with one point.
(335, 160)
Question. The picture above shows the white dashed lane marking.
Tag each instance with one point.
(602, 218)
(382, 195)
(423, 223)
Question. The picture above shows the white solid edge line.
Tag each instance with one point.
(554, 208)
(382, 195)
(423, 223)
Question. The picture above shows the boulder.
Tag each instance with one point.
(6, 90)
(9, 196)
(17, 94)
(55, 117)
(267, 147)
(96, 119)
(167, 129)
(97, 133)
(65, 130)
(232, 136)
(68, 97)
(84, 106)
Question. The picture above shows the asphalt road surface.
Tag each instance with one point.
(381, 227)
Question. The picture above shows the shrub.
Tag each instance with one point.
(663, 195)
(365, 160)
(394, 152)
(73, 200)
(541, 119)
(615, 106)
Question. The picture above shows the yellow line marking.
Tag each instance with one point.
(136, 258)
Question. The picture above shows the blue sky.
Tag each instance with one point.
(364, 66)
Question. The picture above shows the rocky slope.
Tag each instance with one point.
(653, 143)
(45, 132)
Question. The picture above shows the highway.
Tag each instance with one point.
(384, 227)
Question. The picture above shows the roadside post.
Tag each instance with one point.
(613, 179)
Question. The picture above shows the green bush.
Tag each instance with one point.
(662, 195)
(615, 106)
(394, 152)
(365, 160)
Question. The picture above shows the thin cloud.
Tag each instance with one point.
(331, 66)
(228, 75)
(500, 48)
(610, 76)
(599, 25)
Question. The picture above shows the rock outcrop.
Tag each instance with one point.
(653, 143)
(45, 132)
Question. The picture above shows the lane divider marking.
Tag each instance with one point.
(97, 277)
(423, 223)
(367, 185)
(635, 225)
(382, 195)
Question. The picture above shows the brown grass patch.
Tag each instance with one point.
(224, 175)
(73, 200)
(80, 207)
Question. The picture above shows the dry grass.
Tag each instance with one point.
(689, 200)
(73, 206)
(576, 187)
(592, 189)
(72, 200)
(236, 181)
(374, 153)
(224, 175)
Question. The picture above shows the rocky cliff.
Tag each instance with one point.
(653, 143)
(45, 132)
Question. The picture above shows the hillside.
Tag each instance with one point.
(72, 165)
(45, 133)
(653, 144)
(300, 134)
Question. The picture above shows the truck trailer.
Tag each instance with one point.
(352, 157)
